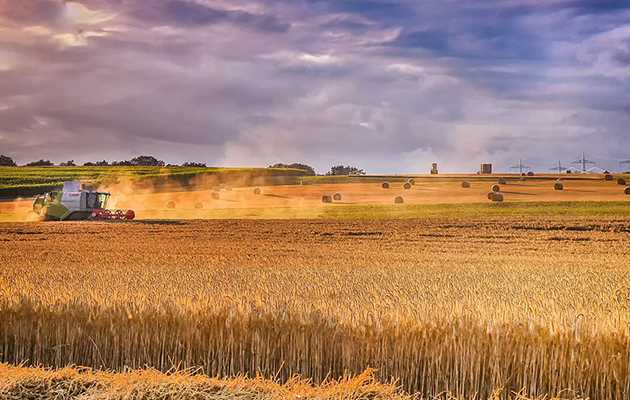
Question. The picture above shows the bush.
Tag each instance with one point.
(306, 168)
(7, 161)
(96, 164)
(194, 165)
(40, 163)
(68, 164)
(345, 170)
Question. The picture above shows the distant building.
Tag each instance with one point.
(486, 169)
(434, 169)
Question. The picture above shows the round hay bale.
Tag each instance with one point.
(170, 204)
(495, 188)
(407, 186)
(502, 181)
(385, 185)
(498, 197)
(412, 181)
(621, 182)
(530, 173)
(337, 197)
(198, 205)
(609, 177)
(558, 186)
(398, 200)
(627, 191)
(326, 199)
(257, 191)
(466, 185)
(215, 195)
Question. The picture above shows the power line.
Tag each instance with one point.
(584, 162)
(558, 168)
(520, 166)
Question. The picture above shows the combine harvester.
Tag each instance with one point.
(75, 204)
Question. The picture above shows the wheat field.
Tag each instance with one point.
(471, 308)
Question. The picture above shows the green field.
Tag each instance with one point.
(28, 181)
(411, 211)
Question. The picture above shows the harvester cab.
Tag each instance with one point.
(74, 203)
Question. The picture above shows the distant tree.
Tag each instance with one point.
(68, 164)
(7, 161)
(146, 161)
(194, 165)
(308, 170)
(345, 170)
(96, 164)
(122, 163)
(40, 163)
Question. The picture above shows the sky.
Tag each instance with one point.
(388, 86)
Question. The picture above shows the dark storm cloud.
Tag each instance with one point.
(390, 85)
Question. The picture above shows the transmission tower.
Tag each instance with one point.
(583, 162)
(520, 167)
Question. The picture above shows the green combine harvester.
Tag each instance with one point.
(74, 203)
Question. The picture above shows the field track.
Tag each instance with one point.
(538, 305)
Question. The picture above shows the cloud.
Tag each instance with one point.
(190, 13)
(388, 85)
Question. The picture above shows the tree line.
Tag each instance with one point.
(151, 161)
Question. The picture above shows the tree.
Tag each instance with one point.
(40, 163)
(146, 161)
(308, 170)
(345, 170)
(68, 164)
(7, 161)
(194, 165)
(96, 164)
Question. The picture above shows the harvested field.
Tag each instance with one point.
(305, 201)
(537, 306)
(69, 383)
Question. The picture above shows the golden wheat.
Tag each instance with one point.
(540, 307)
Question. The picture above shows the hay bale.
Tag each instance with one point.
(621, 182)
(412, 181)
(337, 197)
(398, 200)
(407, 186)
(198, 205)
(627, 191)
(326, 199)
(215, 195)
(502, 181)
(530, 173)
(609, 177)
(385, 185)
(498, 197)
(257, 191)
(170, 204)
(466, 185)
(558, 186)
(495, 188)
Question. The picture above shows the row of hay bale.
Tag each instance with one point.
(329, 199)
(407, 185)
(172, 205)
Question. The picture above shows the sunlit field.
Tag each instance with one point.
(470, 306)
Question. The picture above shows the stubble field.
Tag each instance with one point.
(531, 306)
